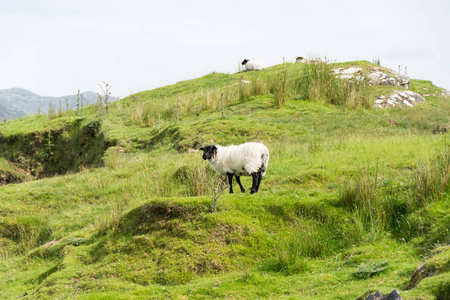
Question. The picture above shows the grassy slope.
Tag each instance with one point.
(142, 226)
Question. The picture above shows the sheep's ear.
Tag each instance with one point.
(203, 149)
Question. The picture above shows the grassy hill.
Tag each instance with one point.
(118, 204)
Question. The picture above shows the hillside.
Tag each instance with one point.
(119, 204)
(17, 102)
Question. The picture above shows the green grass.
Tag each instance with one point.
(353, 200)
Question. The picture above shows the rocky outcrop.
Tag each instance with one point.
(349, 73)
(399, 99)
(375, 78)
(403, 81)
(394, 295)
(380, 78)
(445, 94)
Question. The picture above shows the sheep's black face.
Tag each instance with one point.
(244, 61)
(209, 152)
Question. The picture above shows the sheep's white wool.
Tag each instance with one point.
(241, 160)
(300, 59)
(254, 65)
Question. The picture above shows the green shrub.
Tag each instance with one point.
(370, 269)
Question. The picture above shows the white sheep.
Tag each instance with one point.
(249, 159)
(300, 59)
(253, 65)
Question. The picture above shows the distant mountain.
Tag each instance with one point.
(16, 102)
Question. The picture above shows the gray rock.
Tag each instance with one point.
(380, 78)
(394, 295)
(403, 81)
(378, 294)
(375, 78)
(399, 99)
(445, 94)
(349, 73)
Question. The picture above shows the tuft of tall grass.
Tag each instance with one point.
(216, 186)
(187, 103)
(280, 87)
(161, 185)
(431, 181)
(259, 86)
(111, 220)
(360, 192)
(209, 98)
(376, 61)
(197, 179)
(25, 232)
(350, 93)
(315, 239)
(318, 82)
(142, 114)
(112, 158)
(244, 92)
(288, 259)
(370, 210)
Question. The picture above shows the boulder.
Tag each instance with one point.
(241, 80)
(350, 73)
(403, 81)
(399, 99)
(394, 295)
(380, 78)
(445, 94)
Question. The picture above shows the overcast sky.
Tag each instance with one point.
(55, 47)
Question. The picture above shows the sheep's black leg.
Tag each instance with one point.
(230, 181)
(255, 183)
(238, 180)
(259, 180)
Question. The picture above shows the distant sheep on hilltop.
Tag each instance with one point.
(253, 65)
(301, 59)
